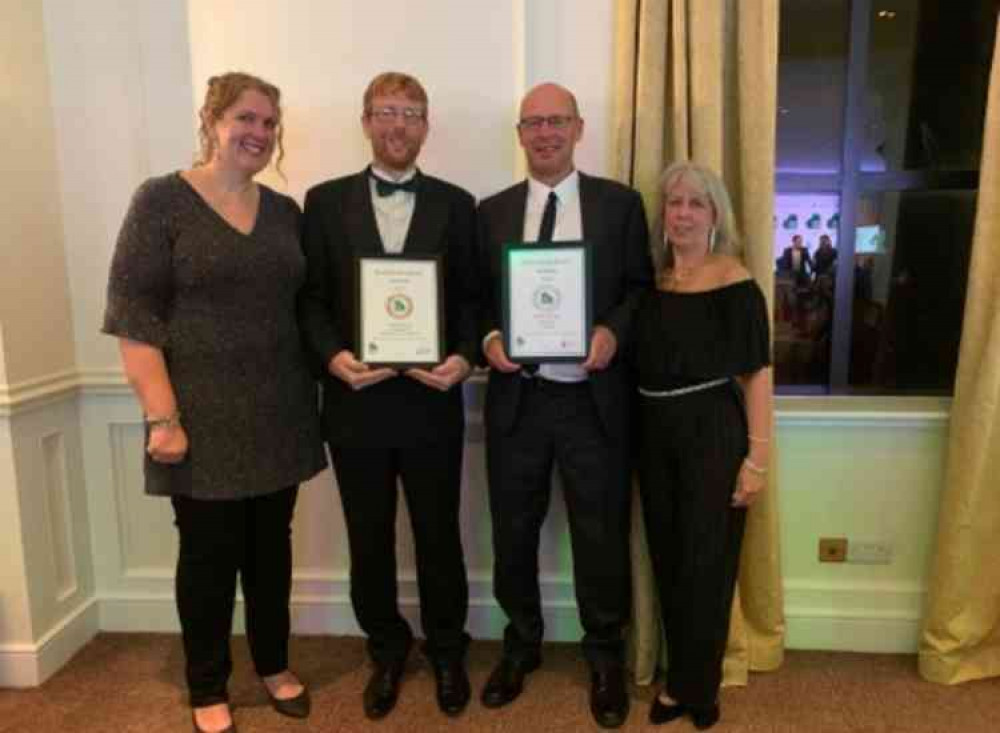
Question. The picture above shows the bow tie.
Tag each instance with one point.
(388, 188)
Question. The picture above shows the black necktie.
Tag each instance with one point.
(388, 188)
(544, 235)
(548, 219)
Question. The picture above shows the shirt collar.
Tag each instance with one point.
(387, 176)
(566, 190)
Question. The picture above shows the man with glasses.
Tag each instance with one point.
(573, 416)
(385, 425)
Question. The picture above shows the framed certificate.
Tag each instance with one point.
(400, 306)
(547, 301)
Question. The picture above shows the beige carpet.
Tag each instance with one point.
(133, 682)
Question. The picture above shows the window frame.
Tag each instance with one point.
(849, 184)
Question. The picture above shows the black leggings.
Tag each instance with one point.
(218, 540)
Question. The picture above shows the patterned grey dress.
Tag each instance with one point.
(222, 306)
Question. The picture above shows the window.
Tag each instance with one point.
(880, 130)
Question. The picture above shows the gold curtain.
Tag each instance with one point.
(961, 634)
(697, 79)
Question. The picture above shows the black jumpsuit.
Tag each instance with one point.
(691, 448)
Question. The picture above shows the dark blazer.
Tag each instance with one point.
(338, 226)
(786, 264)
(614, 222)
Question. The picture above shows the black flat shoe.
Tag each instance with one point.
(294, 707)
(660, 712)
(705, 718)
(608, 698)
(507, 680)
(452, 685)
(382, 690)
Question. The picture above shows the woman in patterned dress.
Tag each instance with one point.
(201, 296)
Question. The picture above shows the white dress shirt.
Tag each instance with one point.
(393, 213)
(569, 227)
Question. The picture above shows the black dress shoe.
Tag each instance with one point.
(507, 680)
(452, 686)
(705, 718)
(661, 713)
(382, 690)
(294, 707)
(608, 699)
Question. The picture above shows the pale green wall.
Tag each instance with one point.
(852, 468)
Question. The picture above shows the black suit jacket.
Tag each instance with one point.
(786, 264)
(338, 226)
(614, 222)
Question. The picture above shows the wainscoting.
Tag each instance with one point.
(96, 553)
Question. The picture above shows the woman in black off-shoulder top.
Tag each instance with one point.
(702, 351)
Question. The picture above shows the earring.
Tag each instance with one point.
(711, 239)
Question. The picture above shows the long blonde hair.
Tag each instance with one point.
(707, 183)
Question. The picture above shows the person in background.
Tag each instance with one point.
(202, 297)
(796, 262)
(824, 258)
(702, 351)
(571, 415)
(384, 425)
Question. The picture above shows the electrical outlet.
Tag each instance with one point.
(869, 552)
(832, 549)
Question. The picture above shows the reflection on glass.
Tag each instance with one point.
(812, 75)
(928, 71)
(910, 274)
(805, 256)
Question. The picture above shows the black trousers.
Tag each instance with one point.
(431, 476)
(692, 447)
(218, 540)
(558, 425)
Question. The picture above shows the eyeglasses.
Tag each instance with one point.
(556, 122)
(410, 115)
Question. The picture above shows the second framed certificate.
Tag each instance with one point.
(547, 310)
(400, 307)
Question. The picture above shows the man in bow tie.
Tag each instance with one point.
(570, 415)
(385, 425)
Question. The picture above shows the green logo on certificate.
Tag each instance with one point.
(546, 298)
(399, 306)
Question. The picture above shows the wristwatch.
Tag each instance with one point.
(171, 421)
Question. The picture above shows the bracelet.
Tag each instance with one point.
(494, 334)
(171, 421)
(751, 466)
(755, 439)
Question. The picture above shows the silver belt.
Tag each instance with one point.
(683, 390)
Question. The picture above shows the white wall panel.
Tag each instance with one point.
(53, 510)
(121, 96)
(146, 540)
(47, 609)
(323, 54)
(57, 510)
(571, 42)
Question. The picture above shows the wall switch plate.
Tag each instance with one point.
(869, 552)
(832, 549)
